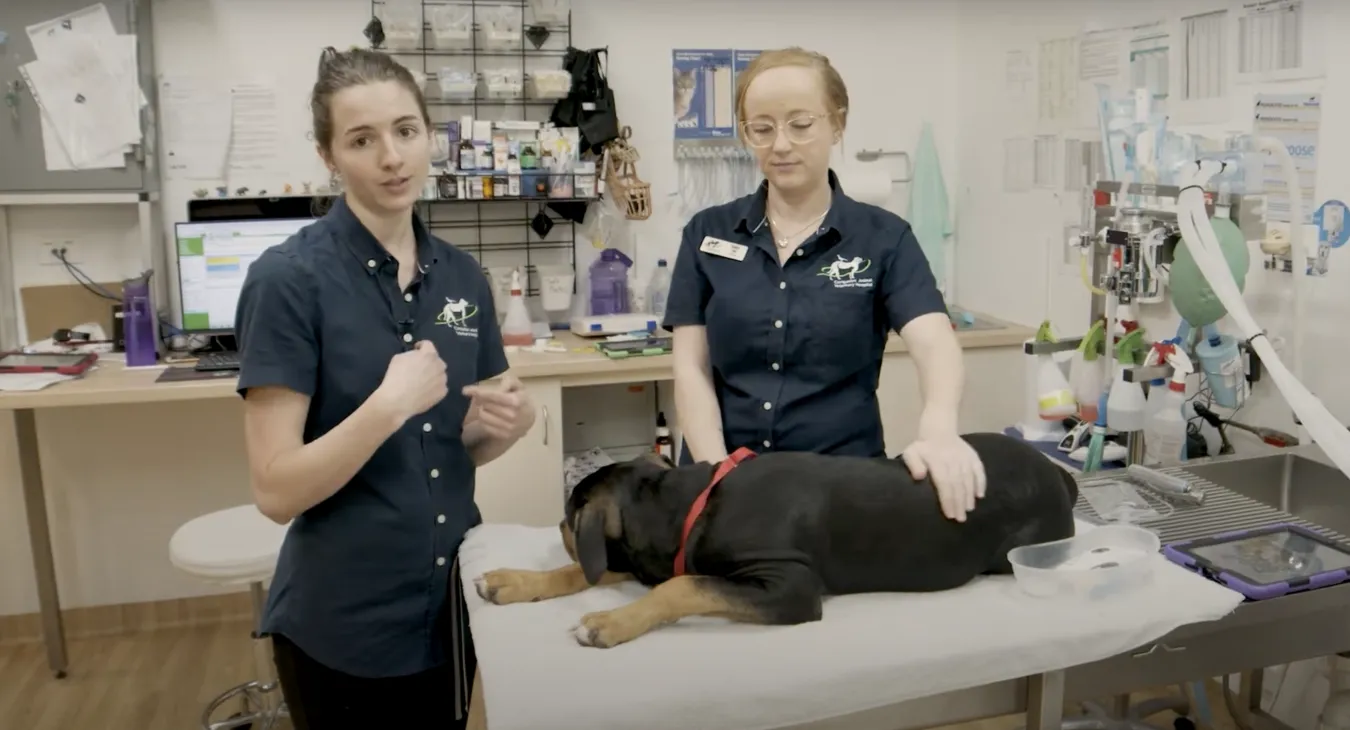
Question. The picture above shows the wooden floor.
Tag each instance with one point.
(161, 680)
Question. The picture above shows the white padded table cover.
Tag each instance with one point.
(868, 652)
(235, 545)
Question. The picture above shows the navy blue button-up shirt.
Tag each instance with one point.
(364, 575)
(796, 347)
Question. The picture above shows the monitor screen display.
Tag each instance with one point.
(213, 257)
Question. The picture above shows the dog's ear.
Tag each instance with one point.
(590, 531)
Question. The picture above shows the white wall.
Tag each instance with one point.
(1001, 257)
(117, 493)
(1003, 235)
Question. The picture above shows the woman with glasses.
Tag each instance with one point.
(781, 302)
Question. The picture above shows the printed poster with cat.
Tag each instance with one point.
(705, 90)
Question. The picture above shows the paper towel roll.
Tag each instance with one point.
(866, 183)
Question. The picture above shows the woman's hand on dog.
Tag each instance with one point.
(955, 469)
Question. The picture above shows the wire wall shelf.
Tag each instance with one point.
(498, 61)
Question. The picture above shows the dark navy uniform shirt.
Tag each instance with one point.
(796, 348)
(364, 575)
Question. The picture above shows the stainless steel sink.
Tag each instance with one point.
(1295, 484)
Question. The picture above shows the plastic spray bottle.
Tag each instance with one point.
(1125, 402)
(1157, 388)
(1165, 427)
(1054, 397)
(517, 329)
(1086, 377)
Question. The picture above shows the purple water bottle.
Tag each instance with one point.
(609, 283)
(140, 326)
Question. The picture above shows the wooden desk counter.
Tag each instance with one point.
(549, 374)
(112, 384)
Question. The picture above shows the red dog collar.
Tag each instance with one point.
(701, 501)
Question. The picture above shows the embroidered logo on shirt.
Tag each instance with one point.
(456, 315)
(846, 273)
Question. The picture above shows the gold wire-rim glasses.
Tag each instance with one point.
(785, 127)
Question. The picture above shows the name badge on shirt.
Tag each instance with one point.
(725, 249)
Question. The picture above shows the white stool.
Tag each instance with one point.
(237, 546)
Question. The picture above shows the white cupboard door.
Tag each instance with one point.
(524, 486)
(988, 401)
(899, 401)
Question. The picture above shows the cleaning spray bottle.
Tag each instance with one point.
(1086, 378)
(1157, 388)
(1165, 427)
(1125, 401)
(1054, 398)
(517, 329)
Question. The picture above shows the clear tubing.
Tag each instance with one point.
(1198, 236)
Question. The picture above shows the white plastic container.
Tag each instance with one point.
(455, 84)
(451, 27)
(549, 11)
(402, 22)
(1098, 564)
(500, 28)
(550, 84)
(555, 287)
(503, 83)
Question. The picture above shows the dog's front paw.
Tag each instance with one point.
(511, 586)
(605, 629)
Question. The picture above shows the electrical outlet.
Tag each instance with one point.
(56, 251)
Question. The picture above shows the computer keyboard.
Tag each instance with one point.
(216, 361)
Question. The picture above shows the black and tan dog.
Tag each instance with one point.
(763, 541)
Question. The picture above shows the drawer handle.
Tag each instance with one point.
(1154, 649)
(545, 409)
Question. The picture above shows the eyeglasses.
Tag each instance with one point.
(801, 129)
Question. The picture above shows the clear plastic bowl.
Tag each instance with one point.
(1098, 564)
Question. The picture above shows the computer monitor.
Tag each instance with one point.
(213, 257)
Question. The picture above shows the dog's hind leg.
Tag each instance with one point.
(770, 596)
(523, 586)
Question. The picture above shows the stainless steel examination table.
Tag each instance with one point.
(1296, 485)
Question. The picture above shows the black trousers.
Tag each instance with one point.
(321, 698)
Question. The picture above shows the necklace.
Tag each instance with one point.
(783, 241)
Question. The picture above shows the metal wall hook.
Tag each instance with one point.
(874, 155)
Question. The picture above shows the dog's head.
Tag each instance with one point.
(593, 515)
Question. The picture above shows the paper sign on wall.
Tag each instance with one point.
(1295, 120)
(704, 93)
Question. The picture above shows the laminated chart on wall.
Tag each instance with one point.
(1100, 53)
(1149, 59)
(1295, 120)
(704, 93)
(1057, 79)
(1270, 37)
(197, 116)
(1019, 163)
